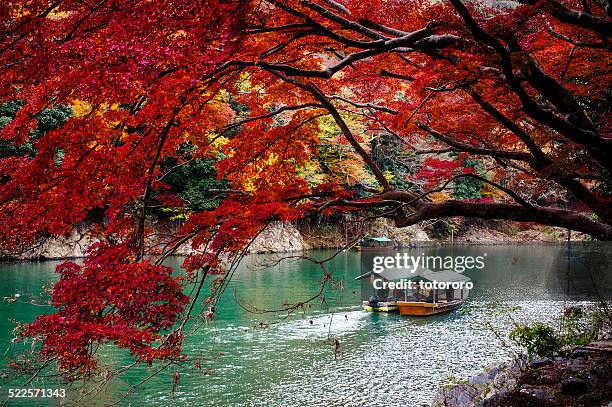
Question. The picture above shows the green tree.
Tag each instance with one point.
(196, 182)
(387, 153)
(468, 187)
(48, 119)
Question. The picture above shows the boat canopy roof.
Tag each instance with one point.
(447, 276)
(378, 239)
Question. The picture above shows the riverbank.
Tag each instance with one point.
(584, 378)
(284, 237)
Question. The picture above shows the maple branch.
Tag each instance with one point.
(414, 148)
(547, 216)
(408, 200)
(454, 85)
(431, 42)
(428, 210)
(418, 108)
(351, 25)
(390, 74)
(538, 160)
(286, 27)
(338, 6)
(577, 18)
(511, 155)
(271, 114)
(582, 44)
(363, 105)
(423, 40)
(279, 47)
(385, 29)
(543, 164)
(431, 151)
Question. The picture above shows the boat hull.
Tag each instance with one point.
(373, 248)
(425, 308)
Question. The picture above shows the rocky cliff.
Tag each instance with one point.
(281, 237)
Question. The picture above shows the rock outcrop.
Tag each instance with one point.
(582, 379)
(278, 237)
(61, 247)
(485, 389)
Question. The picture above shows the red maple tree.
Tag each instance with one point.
(522, 88)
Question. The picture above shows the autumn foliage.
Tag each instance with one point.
(129, 310)
(286, 97)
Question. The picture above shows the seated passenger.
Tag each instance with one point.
(449, 294)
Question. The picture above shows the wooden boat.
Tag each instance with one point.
(435, 301)
(375, 243)
(415, 297)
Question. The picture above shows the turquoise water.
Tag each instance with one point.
(383, 360)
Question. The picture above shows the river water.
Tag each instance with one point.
(384, 360)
